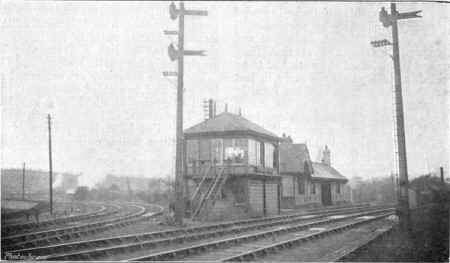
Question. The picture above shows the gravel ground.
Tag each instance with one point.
(330, 248)
(428, 240)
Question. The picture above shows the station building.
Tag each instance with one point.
(232, 169)
(309, 184)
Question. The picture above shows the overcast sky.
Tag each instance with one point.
(304, 69)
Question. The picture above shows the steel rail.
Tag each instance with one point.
(186, 251)
(122, 222)
(29, 239)
(39, 233)
(133, 238)
(274, 248)
(320, 209)
(15, 228)
(98, 208)
(59, 235)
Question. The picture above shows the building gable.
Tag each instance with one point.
(294, 158)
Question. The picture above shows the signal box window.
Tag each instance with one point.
(235, 150)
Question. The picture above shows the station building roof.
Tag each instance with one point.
(228, 123)
(323, 171)
(294, 158)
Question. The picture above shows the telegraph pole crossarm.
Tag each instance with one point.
(414, 14)
(170, 32)
(381, 43)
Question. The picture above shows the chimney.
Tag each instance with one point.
(205, 109)
(326, 156)
(210, 109)
(286, 139)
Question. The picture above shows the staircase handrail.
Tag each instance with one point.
(213, 200)
(215, 183)
(206, 195)
(201, 182)
(215, 188)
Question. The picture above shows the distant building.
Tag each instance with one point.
(232, 168)
(133, 183)
(307, 183)
(36, 183)
(66, 182)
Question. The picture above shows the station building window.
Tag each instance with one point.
(301, 186)
(313, 188)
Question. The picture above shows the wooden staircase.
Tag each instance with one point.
(204, 202)
(198, 194)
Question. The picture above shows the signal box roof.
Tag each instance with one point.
(229, 123)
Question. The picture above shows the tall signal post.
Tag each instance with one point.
(50, 165)
(388, 20)
(179, 54)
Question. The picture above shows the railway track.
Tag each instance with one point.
(248, 246)
(338, 208)
(15, 229)
(131, 213)
(292, 240)
(107, 247)
(59, 209)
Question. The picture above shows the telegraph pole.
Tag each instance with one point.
(179, 55)
(391, 20)
(23, 182)
(50, 162)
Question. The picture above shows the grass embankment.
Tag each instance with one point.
(427, 242)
